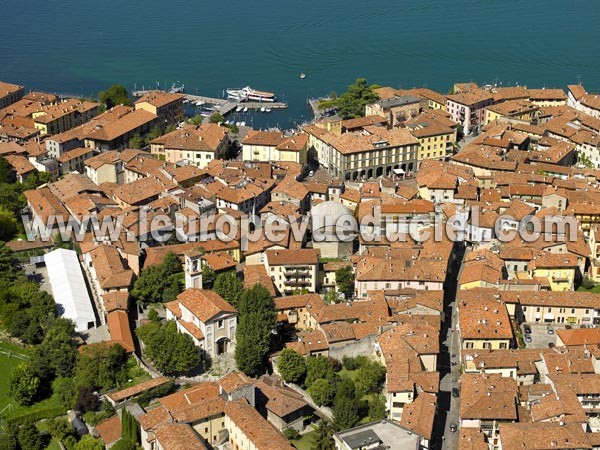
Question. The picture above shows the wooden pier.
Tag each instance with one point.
(223, 106)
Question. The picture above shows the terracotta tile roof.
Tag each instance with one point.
(154, 417)
(261, 433)
(234, 380)
(21, 164)
(264, 138)
(547, 94)
(45, 204)
(292, 257)
(159, 98)
(179, 437)
(110, 430)
(191, 328)
(291, 187)
(360, 122)
(295, 301)
(182, 400)
(472, 439)
(116, 300)
(207, 138)
(471, 97)
(254, 275)
(581, 336)
(120, 331)
(123, 125)
(280, 400)
(482, 317)
(372, 138)
(309, 342)
(109, 268)
(200, 410)
(204, 304)
(543, 436)
(137, 389)
(488, 396)
(419, 416)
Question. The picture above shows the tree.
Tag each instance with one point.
(257, 320)
(321, 391)
(345, 388)
(135, 141)
(8, 442)
(99, 366)
(23, 384)
(158, 283)
(29, 437)
(171, 352)
(59, 428)
(9, 265)
(154, 133)
(229, 286)
(130, 427)
(58, 350)
(344, 278)
(351, 104)
(317, 367)
(196, 120)
(208, 277)
(114, 95)
(377, 408)
(291, 366)
(153, 315)
(65, 391)
(124, 444)
(87, 400)
(345, 413)
(8, 224)
(323, 438)
(370, 377)
(216, 118)
(7, 172)
(89, 443)
(330, 297)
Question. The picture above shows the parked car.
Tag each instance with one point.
(453, 427)
(455, 392)
(528, 338)
(568, 327)
(551, 345)
(527, 329)
(550, 330)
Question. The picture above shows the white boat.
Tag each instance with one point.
(199, 103)
(243, 124)
(268, 110)
(246, 109)
(239, 108)
(247, 93)
(302, 76)
(185, 100)
(262, 109)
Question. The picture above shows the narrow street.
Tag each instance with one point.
(449, 353)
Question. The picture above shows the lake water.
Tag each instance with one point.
(81, 47)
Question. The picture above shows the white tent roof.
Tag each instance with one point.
(68, 287)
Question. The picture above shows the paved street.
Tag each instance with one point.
(448, 406)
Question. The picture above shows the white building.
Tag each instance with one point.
(69, 289)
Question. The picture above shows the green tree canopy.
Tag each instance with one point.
(323, 438)
(29, 437)
(171, 352)
(257, 320)
(351, 104)
(291, 366)
(7, 172)
(216, 118)
(345, 413)
(8, 224)
(89, 443)
(115, 95)
(344, 278)
(318, 367)
(321, 391)
(370, 377)
(159, 282)
(23, 384)
(229, 286)
(124, 444)
(99, 366)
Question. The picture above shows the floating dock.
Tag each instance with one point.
(223, 106)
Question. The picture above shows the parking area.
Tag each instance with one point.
(539, 335)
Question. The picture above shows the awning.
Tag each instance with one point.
(399, 171)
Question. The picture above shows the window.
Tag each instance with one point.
(503, 346)
(487, 345)
(549, 310)
(221, 324)
(469, 345)
(537, 309)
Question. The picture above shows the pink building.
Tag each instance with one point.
(468, 108)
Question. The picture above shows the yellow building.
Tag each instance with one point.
(522, 111)
(558, 268)
(166, 105)
(61, 117)
(268, 146)
(483, 320)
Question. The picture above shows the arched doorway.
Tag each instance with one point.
(222, 345)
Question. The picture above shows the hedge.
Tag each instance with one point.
(34, 416)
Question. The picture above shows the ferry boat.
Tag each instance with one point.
(249, 94)
(177, 89)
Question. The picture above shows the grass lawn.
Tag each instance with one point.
(6, 365)
(54, 445)
(306, 441)
(595, 289)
